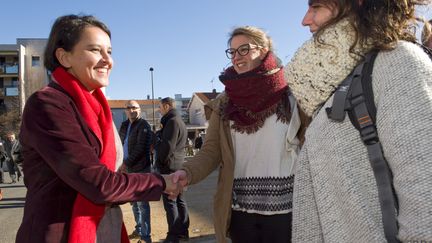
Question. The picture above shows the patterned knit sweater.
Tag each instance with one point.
(335, 193)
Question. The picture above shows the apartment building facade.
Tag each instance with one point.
(21, 73)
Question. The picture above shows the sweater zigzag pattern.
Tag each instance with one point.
(263, 195)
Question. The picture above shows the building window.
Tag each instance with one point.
(1, 83)
(14, 82)
(35, 61)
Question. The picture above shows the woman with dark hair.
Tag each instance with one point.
(70, 147)
(335, 191)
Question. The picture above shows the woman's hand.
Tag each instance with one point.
(175, 183)
(172, 189)
(180, 177)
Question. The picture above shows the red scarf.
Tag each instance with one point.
(255, 95)
(94, 108)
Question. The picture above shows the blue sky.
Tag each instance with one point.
(183, 40)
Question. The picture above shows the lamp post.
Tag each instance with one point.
(153, 104)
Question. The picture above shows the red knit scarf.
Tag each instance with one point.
(256, 95)
(94, 108)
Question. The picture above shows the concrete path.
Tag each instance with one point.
(200, 204)
(199, 198)
(11, 210)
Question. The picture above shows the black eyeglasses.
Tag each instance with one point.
(242, 50)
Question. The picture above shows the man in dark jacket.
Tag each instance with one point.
(14, 157)
(136, 137)
(170, 157)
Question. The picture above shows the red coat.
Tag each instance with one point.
(60, 159)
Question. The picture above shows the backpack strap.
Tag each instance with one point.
(355, 96)
(427, 50)
(341, 98)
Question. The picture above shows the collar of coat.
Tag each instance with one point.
(170, 114)
(319, 66)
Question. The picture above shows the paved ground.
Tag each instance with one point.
(11, 208)
(199, 198)
(200, 204)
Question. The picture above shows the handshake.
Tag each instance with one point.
(175, 183)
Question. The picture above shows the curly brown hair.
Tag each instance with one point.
(377, 23)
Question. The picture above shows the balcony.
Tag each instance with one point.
(10, 90)
(8, 68)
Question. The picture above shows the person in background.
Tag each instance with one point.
(335, 191)
(189, 147)
(136, 136)
(198, 141)
(426, 36)
(71, 150)
(3, 158)
(156, 142)
(252, 139)
(13, 151)
(170, 157)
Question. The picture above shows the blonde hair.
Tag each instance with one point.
(257, 35)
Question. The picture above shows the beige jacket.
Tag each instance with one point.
(217, 151)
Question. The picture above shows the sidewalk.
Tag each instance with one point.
(200, 204)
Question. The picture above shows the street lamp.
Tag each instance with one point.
(153, 104)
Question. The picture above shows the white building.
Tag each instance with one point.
(196, 108)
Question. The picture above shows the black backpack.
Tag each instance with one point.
(354, 96)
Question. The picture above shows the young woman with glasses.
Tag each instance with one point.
(251, 140)
(336, 194)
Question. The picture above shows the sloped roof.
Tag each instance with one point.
(204, 97)
(122, 103)
(207, 96)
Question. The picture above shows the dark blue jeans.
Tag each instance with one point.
(177, 217)
(141, 211)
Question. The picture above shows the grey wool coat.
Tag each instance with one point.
(335, 192)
